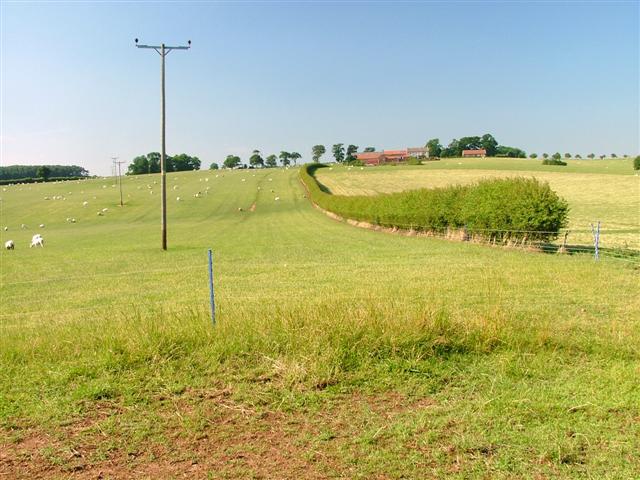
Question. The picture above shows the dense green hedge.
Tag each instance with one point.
(553, 161)
(514, 208)
(38, 180)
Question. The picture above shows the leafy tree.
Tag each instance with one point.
(271, 161)
(625, 156)
(452, 150)
(351, 151)
(556, 156)
(43, 172)
(284, 158)
(214, 166)
(533, 155)
(613, 155)
(578, 155)
(232, 161)
(434, 147)
(602, 157)
(490, 144)
(256, 160)
(567, 155)
(591, 155)
(369, 149)
(182, 163)
(338, 152)
(636, 163)
(295, 156)
(17, 172)
(545, 155)
(316, 152)
(511, 152)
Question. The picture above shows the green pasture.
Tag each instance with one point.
(604, 190)
(338, 352)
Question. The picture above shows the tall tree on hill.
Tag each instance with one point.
(434, 147)
(545, 155)
(556, 156)
(256, 160)
(591, 155)
(43, 172)
(533, 155)
(214, 166)
(613, 155)
(232, 161)
(295, 156)
(271, 161)
(284, 158)
(351, 150)
(338, 152)
(182, 163)
(490, 144)
(567, 155)
(316, 152)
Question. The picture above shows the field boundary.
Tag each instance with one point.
(462, 235)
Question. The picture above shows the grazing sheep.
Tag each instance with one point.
(37, 240)
(9, 245)
(6, 228)
(42, 225)
(277, 198)
(240, 209)
(177, 199)
(100, 214)
(85, 203)
(105, 209)
(73, 220)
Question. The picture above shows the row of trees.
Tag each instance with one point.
(150, 163)
(486, 142)
(15, 172)
(256, 160)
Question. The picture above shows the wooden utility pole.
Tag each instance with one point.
(163, 51)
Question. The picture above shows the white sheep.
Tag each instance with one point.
(105, 210)
(100, 214)
(37, 240)
(9, 245)
(85, 203)
(42, 225)
(277, 199)
(177, 199)
(6, 228)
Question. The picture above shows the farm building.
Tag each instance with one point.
(391, 156)
(475, 153)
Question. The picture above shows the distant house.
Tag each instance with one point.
(475, 153)
(391, 156)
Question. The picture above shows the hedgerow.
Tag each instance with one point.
(513, 208)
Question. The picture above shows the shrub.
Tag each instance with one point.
(414, 161)
(636, 163)
(495, 208)
(553, 161)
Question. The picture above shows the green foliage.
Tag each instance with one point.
(350, 155)
(567, 155)
(553, 161)
(636, 163)
(316, 152)
(295, 156)
(15, 172)
(271, 161)
(214, 166)
(434, 147)
(510, 152)
(602, 157)
(256, 160)
(578, 155)
(556, 156)
(150, 163)
(591, 155)
(231, 161)
(413, 161)
(545, 155)
(338, 152)
(285, 158)
(369, 149)
(498, 208)
(43, 172)
(533, 155)
(613, 155)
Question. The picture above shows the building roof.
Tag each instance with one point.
(417, 150)
(395, 152)
(365, 155)
(480, 151)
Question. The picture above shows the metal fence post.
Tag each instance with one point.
(211, 296)
(596, 239)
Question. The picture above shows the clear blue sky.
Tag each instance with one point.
(543, 76)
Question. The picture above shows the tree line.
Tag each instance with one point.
(485, 142)
(150, 163)
(256, 160)
(44, 172)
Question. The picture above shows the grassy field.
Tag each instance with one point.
(338, 352)
(605, 190)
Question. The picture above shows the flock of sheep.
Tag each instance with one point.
(38, 241)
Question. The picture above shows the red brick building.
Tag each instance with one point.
(391, 156)
(475, 153)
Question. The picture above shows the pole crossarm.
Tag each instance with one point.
(167, 49)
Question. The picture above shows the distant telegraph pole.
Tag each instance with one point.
(163, 51)
(115, 162)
